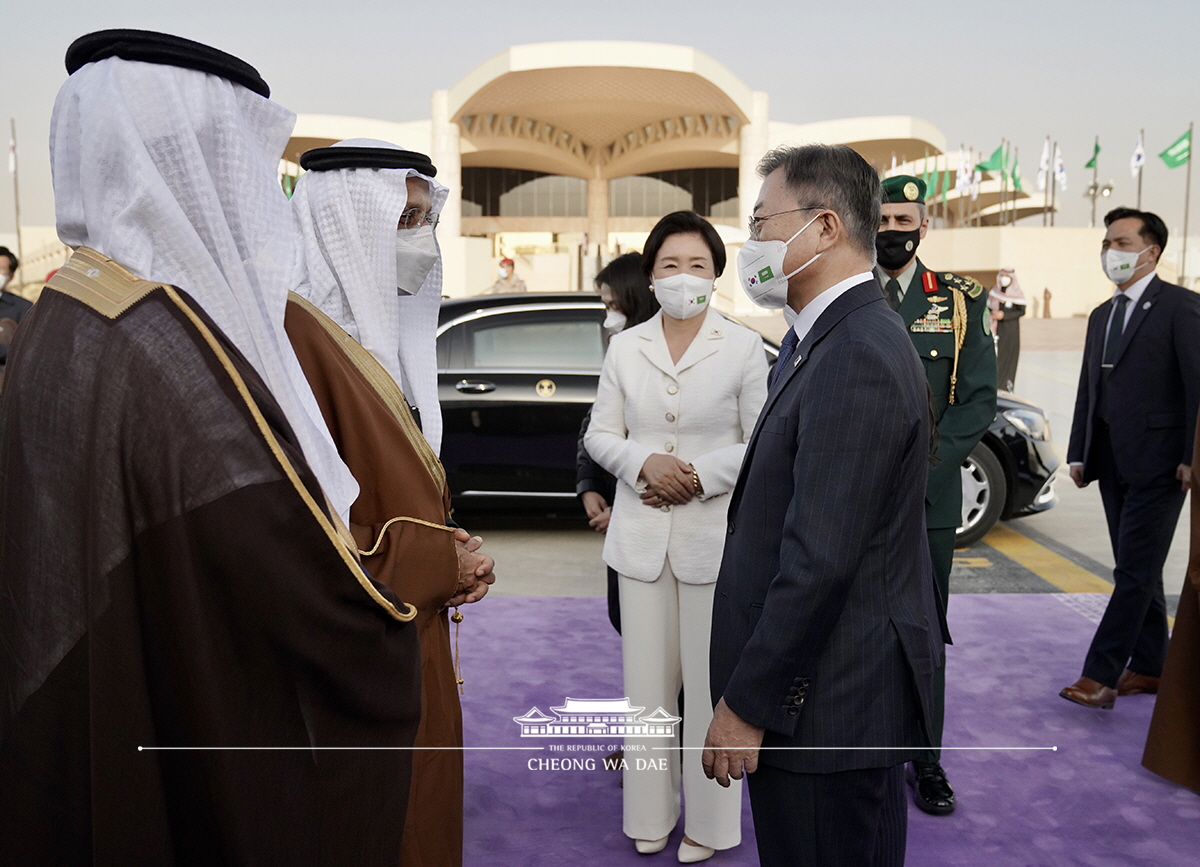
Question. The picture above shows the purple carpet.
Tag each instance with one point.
(1088, 803)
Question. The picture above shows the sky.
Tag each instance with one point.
(979, 71)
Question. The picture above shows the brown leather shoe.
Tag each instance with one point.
(1090, 693)
(1131, 683)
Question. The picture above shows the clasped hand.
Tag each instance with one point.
(668, 481)
(475, 571)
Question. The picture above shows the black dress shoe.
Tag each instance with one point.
(931, 790)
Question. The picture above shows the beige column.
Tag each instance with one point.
(597, 212)
(752, 146)
(445, 153)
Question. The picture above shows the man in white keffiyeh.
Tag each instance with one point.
(362, 320)
(368, 259)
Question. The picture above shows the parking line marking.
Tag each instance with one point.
(972, 562)
(1044, 563)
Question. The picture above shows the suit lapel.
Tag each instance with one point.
(1139, 313)
(704, 344)
(852, 299)
(653, 344)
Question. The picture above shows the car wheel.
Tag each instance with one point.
(984, 491)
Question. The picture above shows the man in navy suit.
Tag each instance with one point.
(826, 627)
(1135, 419)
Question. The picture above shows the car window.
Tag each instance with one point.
(525, 342)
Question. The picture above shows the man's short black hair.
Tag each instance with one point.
(837, 178)
(1153, 231)
(623, 275)
(683, 223)
(12, 259)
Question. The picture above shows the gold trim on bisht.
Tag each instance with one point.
(385, 386)
(100, 283)
(110, 290)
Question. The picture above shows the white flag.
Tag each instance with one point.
(1060, 169)
(963, 179)
(1139, 158)
(975, 181)
(1044, 166)
(12, 156)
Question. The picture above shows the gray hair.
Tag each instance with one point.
(837, 178)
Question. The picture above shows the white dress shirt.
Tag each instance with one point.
(812, 311)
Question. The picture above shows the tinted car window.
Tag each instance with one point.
(527, 342)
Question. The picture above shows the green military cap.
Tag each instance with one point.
(903, 188)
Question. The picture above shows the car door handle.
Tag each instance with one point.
(474, 386)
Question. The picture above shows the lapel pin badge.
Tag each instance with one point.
(796, 363)
(1146, 306)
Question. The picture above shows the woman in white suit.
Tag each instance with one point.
(677, 401)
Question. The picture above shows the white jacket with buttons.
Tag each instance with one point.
(701, 410)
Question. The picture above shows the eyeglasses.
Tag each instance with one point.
(754, 222)
(416, 217)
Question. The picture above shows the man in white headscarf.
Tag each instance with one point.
(185, 620)
(365, 214)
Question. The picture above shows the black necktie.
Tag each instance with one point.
(892, 291)
(1115, 329)
(786, 349)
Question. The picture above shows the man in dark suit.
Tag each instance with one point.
(12, 307)
(1135, 418)
(826, 629)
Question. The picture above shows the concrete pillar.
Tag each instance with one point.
(597, 212)
(445, 153)
(752, 146)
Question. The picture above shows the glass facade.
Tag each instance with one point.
(491, 192)
(708, 192)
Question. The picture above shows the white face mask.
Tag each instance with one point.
(1120, 265)
(416, 254)
(503, 272)
(3, 281)
(682, 296)
(1005, 281)
(614, 322)
(760, 270)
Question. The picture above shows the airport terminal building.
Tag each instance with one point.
(563, 155)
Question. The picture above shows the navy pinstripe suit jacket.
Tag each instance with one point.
(825, 624)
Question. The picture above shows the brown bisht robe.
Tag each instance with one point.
(400, 523)
(170, 578)
(1173, 745)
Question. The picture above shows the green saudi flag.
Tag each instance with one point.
(994, 163)
(1178, 153)
(1015, 177)
(1091, 164)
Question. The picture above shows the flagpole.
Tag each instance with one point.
(16, 194)
(1016, 169)
(1053, 179)
(1187, 204)
(1141, 168)
(1095, 178)
(1046, 175)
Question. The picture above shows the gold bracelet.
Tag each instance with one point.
(699, 488)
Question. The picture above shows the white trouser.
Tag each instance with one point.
(664, 644)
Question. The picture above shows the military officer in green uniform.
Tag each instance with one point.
(947, 318)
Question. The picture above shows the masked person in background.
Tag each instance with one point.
(365, 214)
(1133, 432)
(947, 320)
(1006, 302)
(628, 302)
(676, 403)
(175, 579)
(507, 281)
